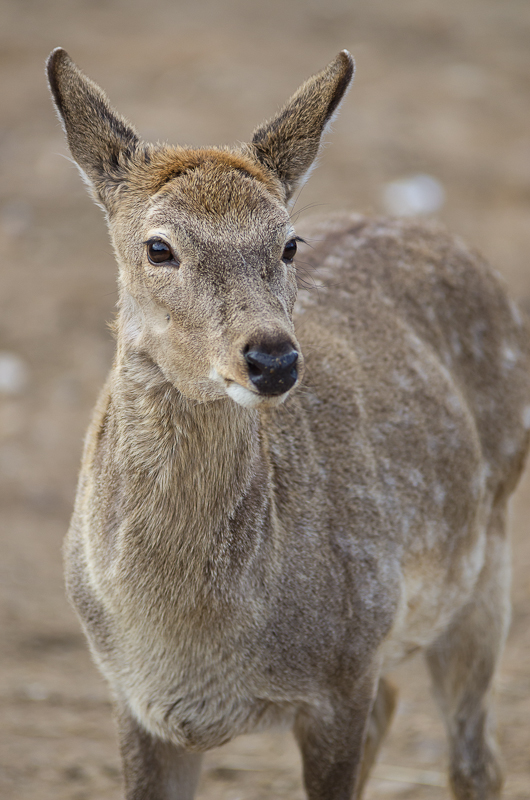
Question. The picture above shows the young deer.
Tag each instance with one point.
(242, 553)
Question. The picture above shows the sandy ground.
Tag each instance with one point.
(442, 89)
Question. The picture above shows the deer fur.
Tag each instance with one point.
(241, 556)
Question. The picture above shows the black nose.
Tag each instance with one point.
(272, 375)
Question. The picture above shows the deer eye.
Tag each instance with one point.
(158, 252)
(289, 251)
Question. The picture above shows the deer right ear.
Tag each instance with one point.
(100, 140)
(289, 143)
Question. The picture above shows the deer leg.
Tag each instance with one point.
(378, 723)
(153, 769)
(331, 746)
(462, 663)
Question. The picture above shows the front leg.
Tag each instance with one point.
(331, 742)
(153, 769)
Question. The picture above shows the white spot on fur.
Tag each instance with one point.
(439, 494)
(403, 381)
(406, 522)
(389, 481)
(431, 534)
(433, 445)
(430, 313)
(415, 342)
(416, 478)
(477, 334)
(418, 368)
(516, 314)
(478, 484)
(510, 357)
(454, 402)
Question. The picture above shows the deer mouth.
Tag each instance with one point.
(251, 399)
(245, 396)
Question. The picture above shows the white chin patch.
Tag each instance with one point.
(243, 396)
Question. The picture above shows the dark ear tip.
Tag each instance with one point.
(56, 59)
(348, 63)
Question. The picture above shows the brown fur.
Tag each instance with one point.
(237, 560)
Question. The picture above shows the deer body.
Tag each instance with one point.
(237, 560)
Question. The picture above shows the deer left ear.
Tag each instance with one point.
(101, 141)
(289, 143)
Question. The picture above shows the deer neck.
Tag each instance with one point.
(188, 466)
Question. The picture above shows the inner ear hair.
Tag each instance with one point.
(101, 140)
(289, 143)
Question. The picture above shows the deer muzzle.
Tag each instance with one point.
(270, 374)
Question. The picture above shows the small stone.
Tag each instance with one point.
(14, 374)
(417, 195)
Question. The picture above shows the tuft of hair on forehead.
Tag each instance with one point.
(160, 165)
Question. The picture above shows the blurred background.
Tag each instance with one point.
(438, 122)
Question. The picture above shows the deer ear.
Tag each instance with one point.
(101, 141)
(289, 143)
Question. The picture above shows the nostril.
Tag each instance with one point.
(253, 364)
(264, 362)
(270, 374)
(290, 359)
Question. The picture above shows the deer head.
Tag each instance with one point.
(203, 237)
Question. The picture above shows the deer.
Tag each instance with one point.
(298, 470)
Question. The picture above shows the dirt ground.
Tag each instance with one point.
(442, 88)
